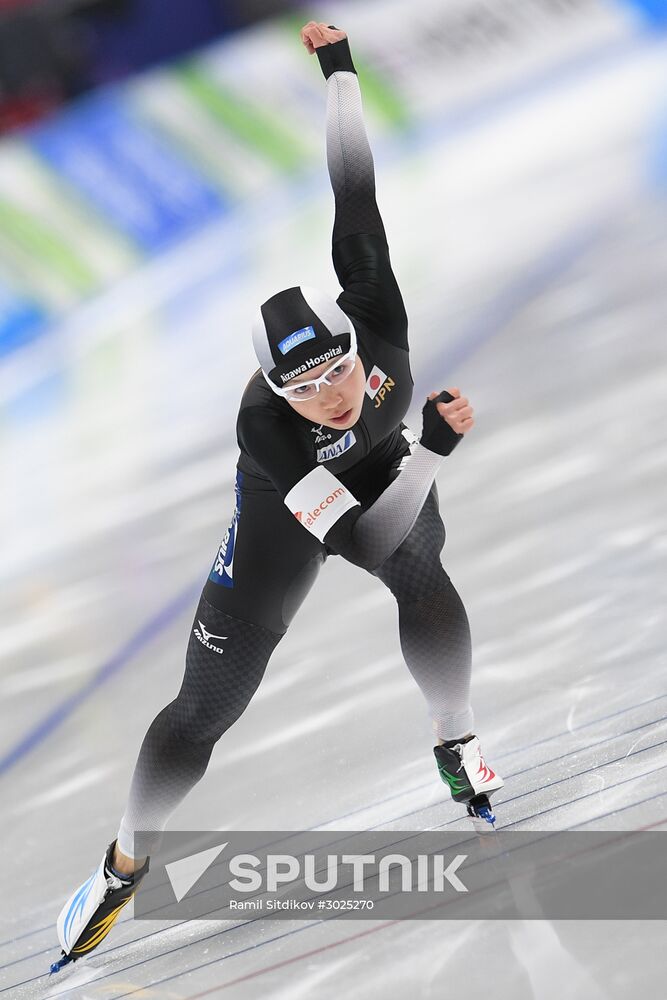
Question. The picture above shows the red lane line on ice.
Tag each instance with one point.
(290, 961)
(155, 913)
(355, 937)
(521, 795)
(652, 746)
(415, 788)
(217, 934)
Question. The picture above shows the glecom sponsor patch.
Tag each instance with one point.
(319, 500)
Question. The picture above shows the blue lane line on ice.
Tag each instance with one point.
(383, 801)
(516, 750)
(507, 303)
(412, 813)
(450, 822)
(62, 711)
(559, 258)
(308, 926)
(492, 322)
(261, 943)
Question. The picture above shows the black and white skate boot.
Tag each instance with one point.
(469, 778)
(93, 908)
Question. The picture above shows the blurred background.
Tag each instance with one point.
(55, 50)
(162, 172)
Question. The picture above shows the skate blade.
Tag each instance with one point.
(481, 815)
(61, 963)
(483, 826)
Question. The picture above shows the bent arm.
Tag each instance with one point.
(368, 538)
(325, 507)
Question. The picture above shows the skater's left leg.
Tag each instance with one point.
(435, 640)
(433, 625)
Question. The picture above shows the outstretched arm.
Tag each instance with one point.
(359, 242)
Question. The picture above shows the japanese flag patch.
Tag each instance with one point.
(375, 381)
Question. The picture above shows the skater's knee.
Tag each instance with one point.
(204, 718)
(412, 576)
(440, 605)
(414, 570)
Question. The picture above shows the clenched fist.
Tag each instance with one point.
(316, 34)
(445, 421)
(457, 413)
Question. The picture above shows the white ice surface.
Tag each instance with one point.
(121, 469)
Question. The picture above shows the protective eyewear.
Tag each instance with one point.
(334, 375)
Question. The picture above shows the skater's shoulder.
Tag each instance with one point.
(258, 394)
(261, 410)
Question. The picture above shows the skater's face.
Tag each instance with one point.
(334, 405)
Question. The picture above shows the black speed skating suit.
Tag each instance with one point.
(378, 477)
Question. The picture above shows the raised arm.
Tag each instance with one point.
(359, 243)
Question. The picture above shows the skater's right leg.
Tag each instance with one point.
(265, 566)
(225, 662)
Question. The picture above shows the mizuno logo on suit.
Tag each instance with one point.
(205, 636)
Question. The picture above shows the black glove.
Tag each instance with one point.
(437, 435)
(335, 56)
